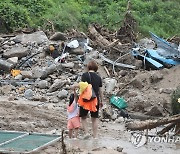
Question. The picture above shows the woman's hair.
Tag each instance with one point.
(92, 65)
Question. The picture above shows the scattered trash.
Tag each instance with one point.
(14, 73)
(73, 44)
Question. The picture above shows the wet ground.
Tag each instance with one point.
(29, 116)
(113, 137)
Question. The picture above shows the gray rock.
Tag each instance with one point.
(155, 77)
(155, 111)
(37, 72)
(42, 84)
(91, 55)
(29, 94)
(54, 100)
(68, 65)
(13, 60)
(138, 64)
(57, 85)
(62, 94)
(18, 51)
(4, 65)
(48, 70)
(26, 74)
(58, 36)
(18, 77)
(37, 37)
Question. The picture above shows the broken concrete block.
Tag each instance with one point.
(37, 37)
(110, 84)
(13, 60)
(4, 65)
(19, 52)
(58, 36)
(62, 94)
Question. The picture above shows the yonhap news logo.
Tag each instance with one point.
(138, 139)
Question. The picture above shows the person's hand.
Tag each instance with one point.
(74, 86)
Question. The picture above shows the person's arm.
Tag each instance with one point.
(75, 86)
(100, 97)
(75, 95)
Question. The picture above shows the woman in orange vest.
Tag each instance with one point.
(91, 77)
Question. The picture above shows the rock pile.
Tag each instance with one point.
(36, 68)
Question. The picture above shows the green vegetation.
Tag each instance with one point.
(174, 101)
(159, 16)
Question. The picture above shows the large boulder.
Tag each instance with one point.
(37, 37)
(4, 65)
(18, 51)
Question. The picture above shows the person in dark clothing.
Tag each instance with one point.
(95, 80)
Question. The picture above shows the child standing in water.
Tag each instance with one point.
(73, 116)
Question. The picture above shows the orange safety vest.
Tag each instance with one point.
(90, 105)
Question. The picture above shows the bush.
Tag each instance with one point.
(174, 101)
(159, 16)
(13, 16)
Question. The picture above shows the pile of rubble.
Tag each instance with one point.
(39, 68)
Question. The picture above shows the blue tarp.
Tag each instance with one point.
(148, 61)
(154, 54)
(166, 49)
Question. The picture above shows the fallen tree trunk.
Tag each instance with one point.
(150, 124)
(99, 38)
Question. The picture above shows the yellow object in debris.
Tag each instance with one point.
(178, 100)
(15, 72)
(51, 48)
(82, 86)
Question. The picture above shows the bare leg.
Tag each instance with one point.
(70, 133)
(94, 126)
(76, 132)
(84, 124)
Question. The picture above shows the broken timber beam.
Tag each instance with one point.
(117, 64)
(99, 38)
(150, 124)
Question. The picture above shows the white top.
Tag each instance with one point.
(73, 110)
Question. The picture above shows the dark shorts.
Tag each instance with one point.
(83, 113)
